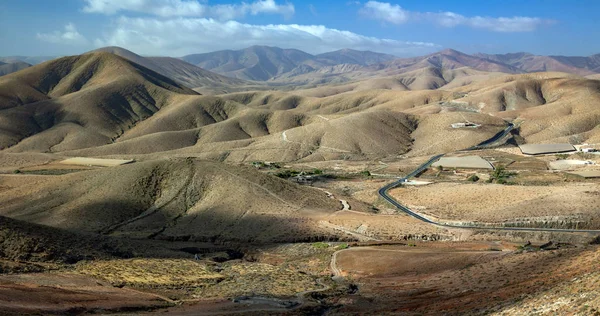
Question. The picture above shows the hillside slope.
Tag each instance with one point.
(79, 101)
(180, 199)
(253, 63)
(182, 72)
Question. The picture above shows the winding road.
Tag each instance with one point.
(383, 192)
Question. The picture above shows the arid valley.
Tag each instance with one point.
(270, 181)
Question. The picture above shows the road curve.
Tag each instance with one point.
(383, 192)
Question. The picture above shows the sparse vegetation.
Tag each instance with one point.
(365, 173)
(287, 173)
(473, 178)
(320, 245)
(161, 273)
(500, 175)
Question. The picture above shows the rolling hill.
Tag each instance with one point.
(182, 72)
(80, 101)
(174, 199)
(253, 63)
(100, 104)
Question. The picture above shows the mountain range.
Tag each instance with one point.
(264, 67)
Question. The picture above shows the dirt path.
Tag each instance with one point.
(345, 205)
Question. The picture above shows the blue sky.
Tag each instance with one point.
(403, 28)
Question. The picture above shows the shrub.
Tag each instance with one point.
(343, 246)
(500, 175)
(365, 173)
(17, 171)
(473, 178)
(287, 173)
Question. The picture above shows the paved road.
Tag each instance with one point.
(383, 192)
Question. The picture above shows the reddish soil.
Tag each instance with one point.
(65, 293)
(433, 281)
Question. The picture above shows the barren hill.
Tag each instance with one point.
(553, 107)
(184, 73)
(79, 101)
(253, 63)
(167, 199)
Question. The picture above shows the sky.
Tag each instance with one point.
(403, 28)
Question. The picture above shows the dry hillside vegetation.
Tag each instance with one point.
(174, 199)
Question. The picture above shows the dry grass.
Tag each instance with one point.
(152, 273)
(259, 279)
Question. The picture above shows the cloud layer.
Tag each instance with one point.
(188, 8)
(181, 36)
(394, 14)
(70, 36)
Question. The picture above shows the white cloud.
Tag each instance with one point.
(395, 14)
(69, 36)
(181, 36)
(385, 12)
(189, 8)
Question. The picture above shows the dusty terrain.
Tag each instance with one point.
(491, 203)
(267, 201)
(469, 279)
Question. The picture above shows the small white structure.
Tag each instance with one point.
(569, 164)
(589, 150)
(465, 162)
(465, 125)
(98, 162)
(539, 149)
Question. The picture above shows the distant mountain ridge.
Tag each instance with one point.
(265, 67)
(534, 63)
(263, 63)
(7, 68)
(292, 66)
